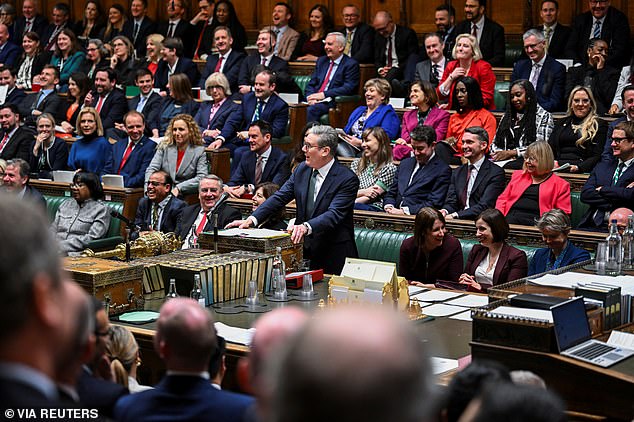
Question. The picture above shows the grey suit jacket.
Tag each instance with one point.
(192, 169)
(286, 44)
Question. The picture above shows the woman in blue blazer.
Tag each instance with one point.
(376, 112)
(178, 101)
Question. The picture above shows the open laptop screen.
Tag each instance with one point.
(571, 323)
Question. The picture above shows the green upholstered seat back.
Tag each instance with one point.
(578, 208)
(53, 203)
(301, 81)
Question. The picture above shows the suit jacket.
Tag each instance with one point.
(550, 84)
(52, 103)
(185, 31)
(482, 72)
(166, 110)
(345, 81)
(226, 214)
(384, 116)
(133, 170)
(99, 394)
(114, 107)
(276, 170)
(585, 158)
(17, 394)
(491, 41)
(39, 24)
(489, 184)
(15, 97)
(541, 257)
(558, 40)
(193, 166)
(251, 62)
(19, 144)
(203, 34)
(362, 48)
(511, 265)
(442, 264)
(183, 65)
(603, 83)
(332, 237)
(427, 189)
(450, 42)
(169, 219)
(405, 42)
(10, 54)
(553, 193)
(615, 31)
(56, 159)
(422, 72)
(275, 112)
(149, 108)
(610, 197)
(34, 195)
(183, 398)
(231, 69)
(49, 30)
(227, 119)
(437, 118)
(148, 26)
(287, 43)
(607, 155)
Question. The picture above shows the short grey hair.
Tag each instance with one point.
(534, 33)
(339, 37)
(22, 166)
(213, 177)
(326, 137)
(220, 79)
(103, 51)
(555, 220)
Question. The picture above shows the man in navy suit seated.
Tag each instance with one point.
(173, 61)
(107, 99)
(226, 60)
(159, 210)
(264, 163)
(547, 75)
(8, 76)
(627, 98)
(474, 186)
(131, 156)
(421, 180)
(611, 183)
(9, 52)
(185, 340)
(335, 74)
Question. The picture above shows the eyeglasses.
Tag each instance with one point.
(153, 183)
(619, 140)
(532, 46)
(215, 87)
(308, 146)
(531, 159)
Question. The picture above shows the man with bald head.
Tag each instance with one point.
(9, 52)
(394, 46)
(366, 364)
(185, 339)
(621, 215)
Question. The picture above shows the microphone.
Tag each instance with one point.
(119, 216)
(223, 198)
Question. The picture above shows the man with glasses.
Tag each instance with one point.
(395, 45)
(611, 184)
(359, 35)
(627, 99)
(547, 75)
(324, 191)
(605, 22)
(159, 209)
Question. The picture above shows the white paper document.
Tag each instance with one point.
(470, 301)
(462, 316)
(253, 233)
(415, 289)
(235, 334)
(441, 310)
(442, 365)
(436, 295)
(621, 339)
(526, 313)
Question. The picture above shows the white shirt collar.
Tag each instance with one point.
(479, 23)
(265, 155)
(323, 170)
(203, 374)
(541, 62)
(478, 163)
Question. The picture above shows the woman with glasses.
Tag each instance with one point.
(49, 152)
(91, 150)
(82, 218)
(218, 119)
(535, 189)
(96, 58)
(67, 57)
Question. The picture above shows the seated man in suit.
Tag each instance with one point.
(490, 34)
(394, 45)
(474, 186)
(202, 23)
(420, 181)
(185, 340)
(445, 20)
(611, 183)
(335, 74)
(173, 61)
(627, 98)
(138, 27)
(287, 37)
(226, 60)
(146, 103)
(264, 163)
(15, 141)
(430, 69)
(8, 76)
(44, 101)
(30, 21)
(197, 218)
(35, 345)
(131, 156)
(547, 75)
(555, 33)
(178, 27)
(159, 210)
(359, 35)
(61, 20)
(265, 58)
(324, 191)
(9, 52)
(16, 181)
(107, 99)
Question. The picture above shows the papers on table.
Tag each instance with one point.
(470, 301)
(253, 233)
(235, 334)
(621, 339)
(441, 310)
(441, 365)
(415, 289)
(462, 316)
(436, 295)
(570, 280)
(454, 303)
(526, 313)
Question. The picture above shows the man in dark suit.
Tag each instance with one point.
(43, 315)
(108, 100)
(230, 63)
(16, 181)
(541, 67)
(474, 186)
(324, 192)
(185, 340)
(173, 62)
(30, 21)
(335, 74)
(202, 23)
(627, 98)
(8, 76)
(421, 180)
(490, 34)
(178, 27)
(159, 210)
(431, 69)
(139, 26)
(9, 52)
(61, 20)
(611, 183)
(131, 156)
(445, 20)
(197, 218)
(394, 46)
(605, 22)
(555, 33)
(264, 163)
(15, 141)
(359, 36)
(265, 58)
(148, 101)
(44, 101)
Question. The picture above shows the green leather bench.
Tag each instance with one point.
(112, 238)
(578, 208)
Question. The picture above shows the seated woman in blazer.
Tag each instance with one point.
(181, 155)
(493, 261)
(220, 118)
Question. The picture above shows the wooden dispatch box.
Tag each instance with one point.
(116, 283)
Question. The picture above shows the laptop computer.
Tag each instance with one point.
(572, 332)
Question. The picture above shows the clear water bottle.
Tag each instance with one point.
(279, 275)
(613, 264)
(197, 291)
(171, 294)
(628, 244)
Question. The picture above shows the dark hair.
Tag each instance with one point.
(74, 44)
(174, 44)
(83, 83)
(223, 28)
(234, 21)
(33, 36)
(627, 88)
(62, 7)
(593, 41)
(109, 27)
(550, 1)
(424, 222)
(428, 89)
(482, 3)
(272, 75)
(474, 94)
(268, 189)
(14, 108)
(180, 88)
(55, 69)
(13, 71)
(215, 362)
(22, 165)
(422, 133)
(384, 155)
(627, 127)
(496, 220)
(166, 176)
(100, 15)
(112, 76)
(481, 133)
(92, 182)
(507, 137)
(448, 8)
(144, 71)
(328, 24)
(265, 127)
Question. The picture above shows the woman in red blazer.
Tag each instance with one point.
(535, 189)
(493, 261)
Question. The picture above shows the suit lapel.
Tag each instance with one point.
(270, 164)
(482, 173)
(187, 158)
(502, 259)
(172, 156)
(325, 186)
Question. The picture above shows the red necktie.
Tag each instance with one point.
(99, 104)
(200, 38)
(126, 155)
(200, 227)
(4, 141)
(323, 86)
(389, 51)
(217, 68)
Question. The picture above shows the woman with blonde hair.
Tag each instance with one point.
(123, 352)
(154, 45)
(219, 118)
(115, 22)
(91, 150)
(182, 155)
(3, 167)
